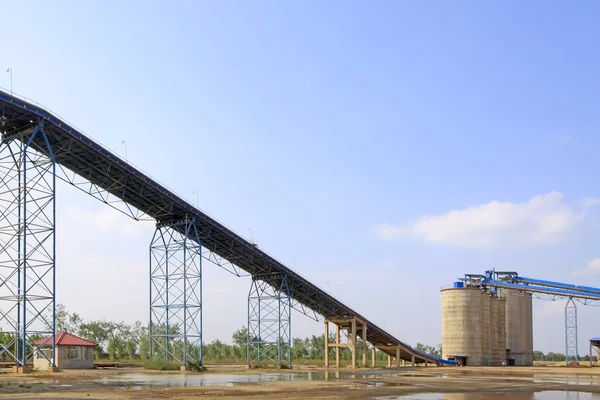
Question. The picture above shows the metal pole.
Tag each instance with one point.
(20, 256)
(259, 336)
(11, 80)
(289, 304)
(54, 260)
(187, 227)
(279, 326)
(571, 340)
(166, 303)
(125, 143)
(150, 302)
(248, 329)
(197, 199)
(200, 288)
(24, 330)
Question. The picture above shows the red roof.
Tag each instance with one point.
(65, 339)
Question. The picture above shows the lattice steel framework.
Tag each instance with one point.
(86, 164)
(571, 341)
(269, 321)
(27, 245)
(176, 292)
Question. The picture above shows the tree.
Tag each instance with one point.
(240, 337)
(434, 351)
(65, 321)
(141, 336)
(299, 349)
(113, 347)
(144, 347)
(98, 332)
(317, 347)
(539, 356)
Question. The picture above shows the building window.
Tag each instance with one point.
(73, 353)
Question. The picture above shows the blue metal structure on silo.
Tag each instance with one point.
(544, 289)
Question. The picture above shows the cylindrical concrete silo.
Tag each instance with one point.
(485, 328)
(527, 330)
(513, 325)
(502, 330)
(493, 321)
(461, 324)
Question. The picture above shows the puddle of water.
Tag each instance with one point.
(545, 395)
(567, 379)
(148, 381)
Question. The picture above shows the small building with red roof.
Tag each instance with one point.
(72, 352)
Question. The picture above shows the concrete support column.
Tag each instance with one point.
(353, 343)
(412, 360)
(404, 363)
(426, 363)
(364, 345)
(337, 347)
(398, 357)
(326, 341)
(374, 358)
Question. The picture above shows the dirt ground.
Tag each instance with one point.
(345, 384)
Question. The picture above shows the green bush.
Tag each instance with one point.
(159, 364)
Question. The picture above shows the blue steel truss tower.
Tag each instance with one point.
(176, 292)
(571, 341)
(269, 321)
(27, 244)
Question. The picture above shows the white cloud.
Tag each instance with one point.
(544, 219)
(591, 268)
(590, 201)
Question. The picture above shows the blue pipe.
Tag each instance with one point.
(542, 289)
(557, 284)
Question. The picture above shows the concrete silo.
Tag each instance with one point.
(462, 324)
(519, 327)
(481, 329)
(502, 330)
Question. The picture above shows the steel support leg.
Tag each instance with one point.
(27, 246)
(571, 341)
(269, 321)
(176, 292)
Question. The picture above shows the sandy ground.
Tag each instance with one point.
(368, 383)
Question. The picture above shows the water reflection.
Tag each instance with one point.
(545, 395)
(148, 381)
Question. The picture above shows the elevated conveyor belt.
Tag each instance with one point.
(78, 153)
(512, 280)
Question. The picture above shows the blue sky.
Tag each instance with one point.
(367, 141)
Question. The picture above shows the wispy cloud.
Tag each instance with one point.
(590, 201)
(544, 219)
(591, 268)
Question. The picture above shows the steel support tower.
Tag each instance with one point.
(269, 321)
(176, 292)
(27, 245)
(571, 341)
(87, 165)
